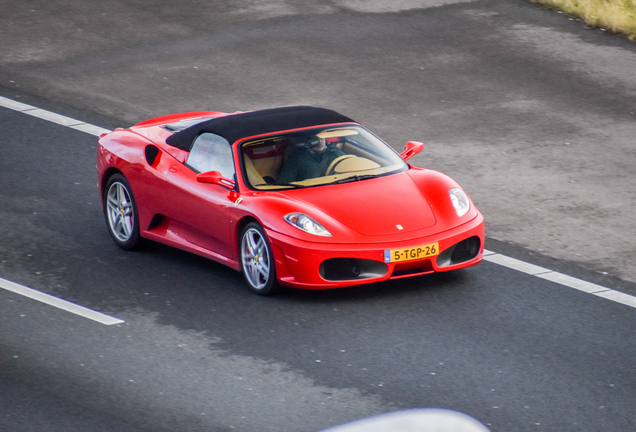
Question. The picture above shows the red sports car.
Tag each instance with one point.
(299, 196)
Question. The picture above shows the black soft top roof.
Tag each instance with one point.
(236, 126)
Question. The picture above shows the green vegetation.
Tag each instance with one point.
(618, 16)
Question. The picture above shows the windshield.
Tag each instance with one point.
(317, 157)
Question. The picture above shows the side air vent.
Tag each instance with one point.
(151, 153)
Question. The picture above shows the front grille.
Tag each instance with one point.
(340, 269)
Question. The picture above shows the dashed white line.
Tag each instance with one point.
(58, 303)
(490, 256)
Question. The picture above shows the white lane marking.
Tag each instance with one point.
(575, 283)
(560, 278)
(490, 256)
(618, 297)
(58, 303)
(30, 292)
(52, 117)
(514, 264)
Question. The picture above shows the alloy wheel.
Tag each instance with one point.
(119, 208)
(256, 258)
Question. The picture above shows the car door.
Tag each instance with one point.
(203, 212)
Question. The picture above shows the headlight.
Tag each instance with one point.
(307, 224)
(460, 201)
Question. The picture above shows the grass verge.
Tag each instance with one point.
(618, 16)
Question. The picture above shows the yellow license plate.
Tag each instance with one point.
(410, 254)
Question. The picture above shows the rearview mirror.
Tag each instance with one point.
(411, 149)
(215, 177)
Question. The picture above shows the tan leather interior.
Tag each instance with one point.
(269, 166)
(252, 174)
(355, 164)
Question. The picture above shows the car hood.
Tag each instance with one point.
(391, 204)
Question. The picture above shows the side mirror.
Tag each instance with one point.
(411, 149)
(215, 177)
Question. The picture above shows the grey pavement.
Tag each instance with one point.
(532, 112)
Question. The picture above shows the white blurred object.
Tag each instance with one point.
(416, 420)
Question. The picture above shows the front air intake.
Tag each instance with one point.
(460, 252)
(340, 269)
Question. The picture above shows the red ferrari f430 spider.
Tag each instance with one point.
(299, 196)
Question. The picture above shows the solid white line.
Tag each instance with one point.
(560, 278)
(14, 105)
(618, 297)
(52, 117)
(515, 264)
(58, 303)
(575, 283)
(90, 129)
(490, 256)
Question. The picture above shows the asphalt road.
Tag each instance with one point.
(530, 111)
(198, 351)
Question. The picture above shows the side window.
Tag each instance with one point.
(211, 152)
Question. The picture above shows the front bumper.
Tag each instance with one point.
(307, 265)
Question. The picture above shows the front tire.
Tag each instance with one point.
(257, 261)
(120, 211)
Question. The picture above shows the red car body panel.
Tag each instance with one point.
(298, 262)
(366, 218)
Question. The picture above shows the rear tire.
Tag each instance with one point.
(120, 211)
(257, 261)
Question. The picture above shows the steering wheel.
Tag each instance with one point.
(336, 161)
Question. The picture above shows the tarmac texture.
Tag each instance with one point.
(532, 112)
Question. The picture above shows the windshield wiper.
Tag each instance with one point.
(296, 185)
(355, 178)
(282, 184)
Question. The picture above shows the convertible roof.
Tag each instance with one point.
(236, 126)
